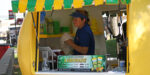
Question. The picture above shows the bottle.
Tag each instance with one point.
(49, 22)
(42, 23)
(121, 67)
(45, 66)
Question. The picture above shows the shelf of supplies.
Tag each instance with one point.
(59, 35)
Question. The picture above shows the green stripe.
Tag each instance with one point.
(49, 4)
(15, 4)
(31, 5)
(128, 1)
(123, 1)
(112, 2)
(88, 2)
(68, 3)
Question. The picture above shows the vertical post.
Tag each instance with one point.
(24, 14)
(37, 44)
(15, 28)
(127, 50)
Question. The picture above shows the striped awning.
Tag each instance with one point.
(48, 5)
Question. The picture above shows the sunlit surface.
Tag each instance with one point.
(139, 37)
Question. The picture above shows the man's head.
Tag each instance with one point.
(80, 17)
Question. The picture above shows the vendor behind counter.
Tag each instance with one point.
(84, 43)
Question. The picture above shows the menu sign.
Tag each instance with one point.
(82, 62)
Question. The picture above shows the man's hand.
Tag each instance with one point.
(82, 50)
(69, 42)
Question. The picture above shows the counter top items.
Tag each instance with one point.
(121, 67)
(46, 52)
(48, 58)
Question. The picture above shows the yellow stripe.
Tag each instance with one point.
(98, 2)
(58, 4)
(78, 3)
(39, 5)
(22, 5)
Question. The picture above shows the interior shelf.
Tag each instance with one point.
(59, 35)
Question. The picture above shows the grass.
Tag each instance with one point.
(16, 65)
(17, 70)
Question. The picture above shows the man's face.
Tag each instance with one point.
(78, 22)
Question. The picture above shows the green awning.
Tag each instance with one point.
(48, 5)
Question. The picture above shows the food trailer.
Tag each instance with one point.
(30, 34)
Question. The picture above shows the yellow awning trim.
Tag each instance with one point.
(58, 4)
(22, 5)
(78, 3)
(98, 2)
(39, 5)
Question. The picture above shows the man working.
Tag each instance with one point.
(84, 43)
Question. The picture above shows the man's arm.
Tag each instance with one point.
(82, 50)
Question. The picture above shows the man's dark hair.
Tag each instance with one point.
(84, 13)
